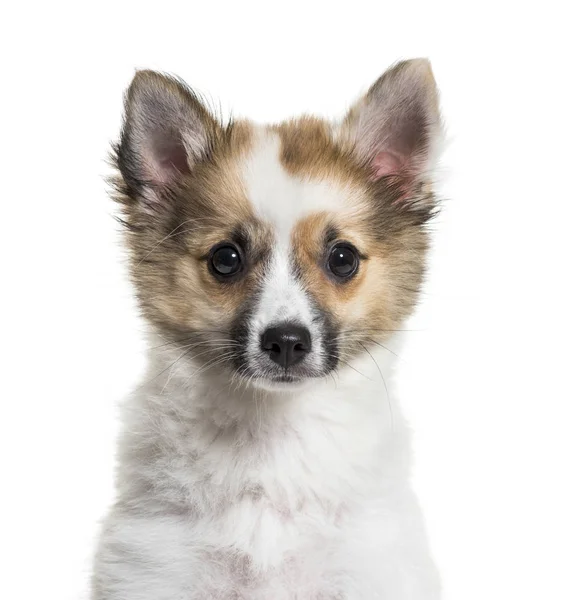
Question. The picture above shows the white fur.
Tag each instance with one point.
(264, 495)
(229, 492)
(282, 200)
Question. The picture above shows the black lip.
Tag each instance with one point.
(285, 379)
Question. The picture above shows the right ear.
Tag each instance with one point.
(166, 131)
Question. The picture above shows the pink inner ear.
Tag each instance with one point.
(387, 163)
(165, 158)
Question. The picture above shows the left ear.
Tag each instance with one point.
(395, 127)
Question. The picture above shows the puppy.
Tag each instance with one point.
(264, 457)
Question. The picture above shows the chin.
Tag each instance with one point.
(285, 383)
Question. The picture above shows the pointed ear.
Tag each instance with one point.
(394, 128)
(166, 131)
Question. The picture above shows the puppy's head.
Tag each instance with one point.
(278, 253)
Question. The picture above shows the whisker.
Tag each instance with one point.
(192, 336)
(352, 367)
(374, 329)
(161, 372)
(384, 385)
(170, 234)
(174, 232)
(212, 363)
(384, 347)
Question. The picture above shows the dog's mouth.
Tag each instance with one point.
(284, 382)
(256, 368)
(264, 376)
(286, 379)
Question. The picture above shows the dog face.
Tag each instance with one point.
(278, 253)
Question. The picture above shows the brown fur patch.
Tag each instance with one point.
(383, 291)
(169, 247)
(390, 235)
(308, 150)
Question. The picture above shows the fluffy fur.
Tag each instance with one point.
(238, 479)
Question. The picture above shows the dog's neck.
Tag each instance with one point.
(361, 387)
(209, 439)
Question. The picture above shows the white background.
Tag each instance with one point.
(485, 377)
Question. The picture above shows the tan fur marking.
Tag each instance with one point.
(179, 290)
(383, 291)
(309, 150)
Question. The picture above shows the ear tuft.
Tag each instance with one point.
(166, 131)
(395, 127)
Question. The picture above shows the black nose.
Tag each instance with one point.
(286, 344)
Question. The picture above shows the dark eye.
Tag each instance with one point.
(343, 261)
(225, 261)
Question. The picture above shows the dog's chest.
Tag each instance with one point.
(268, 554)
(263, 506)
